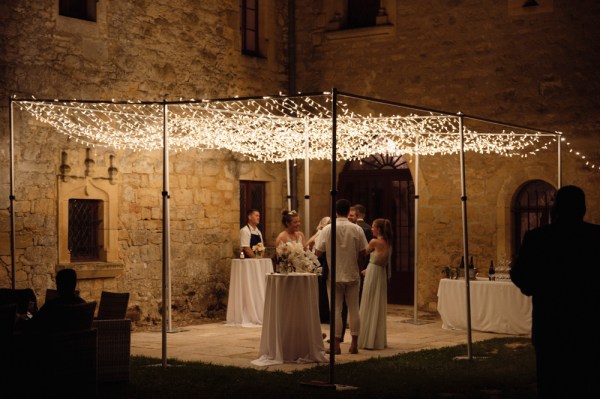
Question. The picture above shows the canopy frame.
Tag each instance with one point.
(300, 112)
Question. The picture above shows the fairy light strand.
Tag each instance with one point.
(272, 129)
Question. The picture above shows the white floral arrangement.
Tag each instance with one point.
(293, 253)
(258, 248)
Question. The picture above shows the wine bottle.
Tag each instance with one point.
(491, 271)
(471, 265)
(462, 262)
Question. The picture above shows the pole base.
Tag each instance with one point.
(326, 385)
(417, 322)
(471, 358)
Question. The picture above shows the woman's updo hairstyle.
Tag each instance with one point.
(286, 217)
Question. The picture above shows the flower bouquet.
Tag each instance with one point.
(291, 256)
(258, 249)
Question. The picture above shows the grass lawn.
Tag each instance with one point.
(500, 368)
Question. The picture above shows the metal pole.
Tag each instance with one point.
(11, 196)
(289, 190)
(166, 253)
(306, 183)
(463, 199)
(559, 162)
(332, 267)
(416, 228)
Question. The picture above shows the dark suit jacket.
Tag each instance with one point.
(558, 266)
(366, 228)
(363, 260)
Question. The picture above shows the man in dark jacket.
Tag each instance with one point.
(555, 266)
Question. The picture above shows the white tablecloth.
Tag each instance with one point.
(496, 306)
(247, 291)
(291, 329)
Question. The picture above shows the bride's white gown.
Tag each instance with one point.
(373, 308)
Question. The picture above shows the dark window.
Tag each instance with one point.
(249, 22)
(531, 208)
(252, 196)
(362, 13)
(84, 226)
(80, 9)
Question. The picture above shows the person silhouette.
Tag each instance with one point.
(553, 266)
(46, 318)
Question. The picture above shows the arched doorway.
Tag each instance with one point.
(384, 185)
(531, 208)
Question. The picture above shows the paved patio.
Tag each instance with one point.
(218, 343)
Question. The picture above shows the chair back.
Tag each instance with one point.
(75, 317)
(52, 293)
(113, 305)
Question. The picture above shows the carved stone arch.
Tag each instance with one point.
(384, 185)
(530, 208)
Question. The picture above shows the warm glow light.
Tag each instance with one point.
(274, 129)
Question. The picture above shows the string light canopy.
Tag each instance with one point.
(279, 128)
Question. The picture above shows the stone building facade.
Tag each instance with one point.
(494, 59)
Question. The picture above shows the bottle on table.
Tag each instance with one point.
(491, 271)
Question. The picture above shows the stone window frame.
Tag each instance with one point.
(82, 29)
(245, 10)
(336, 12)
(104, 189)
(88, 12)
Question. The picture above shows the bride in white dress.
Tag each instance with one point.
(373, 305)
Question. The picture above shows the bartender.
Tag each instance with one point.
(250, 234)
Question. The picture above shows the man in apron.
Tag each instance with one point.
(250, 234)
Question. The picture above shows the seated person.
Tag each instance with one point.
(45, 319)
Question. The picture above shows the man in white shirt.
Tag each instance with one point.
(250, 234)
(350, 243)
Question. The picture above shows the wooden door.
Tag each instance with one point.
(252, 196)
(384, 186)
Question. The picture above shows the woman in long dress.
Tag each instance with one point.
(373, 305)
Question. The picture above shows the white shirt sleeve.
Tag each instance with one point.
(245, 237)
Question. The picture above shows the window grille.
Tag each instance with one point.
(531, 208)
(84, 223)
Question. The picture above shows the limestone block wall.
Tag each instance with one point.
(492, 59)
(136, 50)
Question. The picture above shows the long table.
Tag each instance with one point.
(291, 329)
(496, 306)
(247, 284)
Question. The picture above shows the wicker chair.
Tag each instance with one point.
(8, 316)
(114, 337)
(113, 305)
(60, 356)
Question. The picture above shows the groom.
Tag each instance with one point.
(350, 243)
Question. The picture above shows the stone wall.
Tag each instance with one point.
(493, 59)
(137, 50)
(488, 59)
